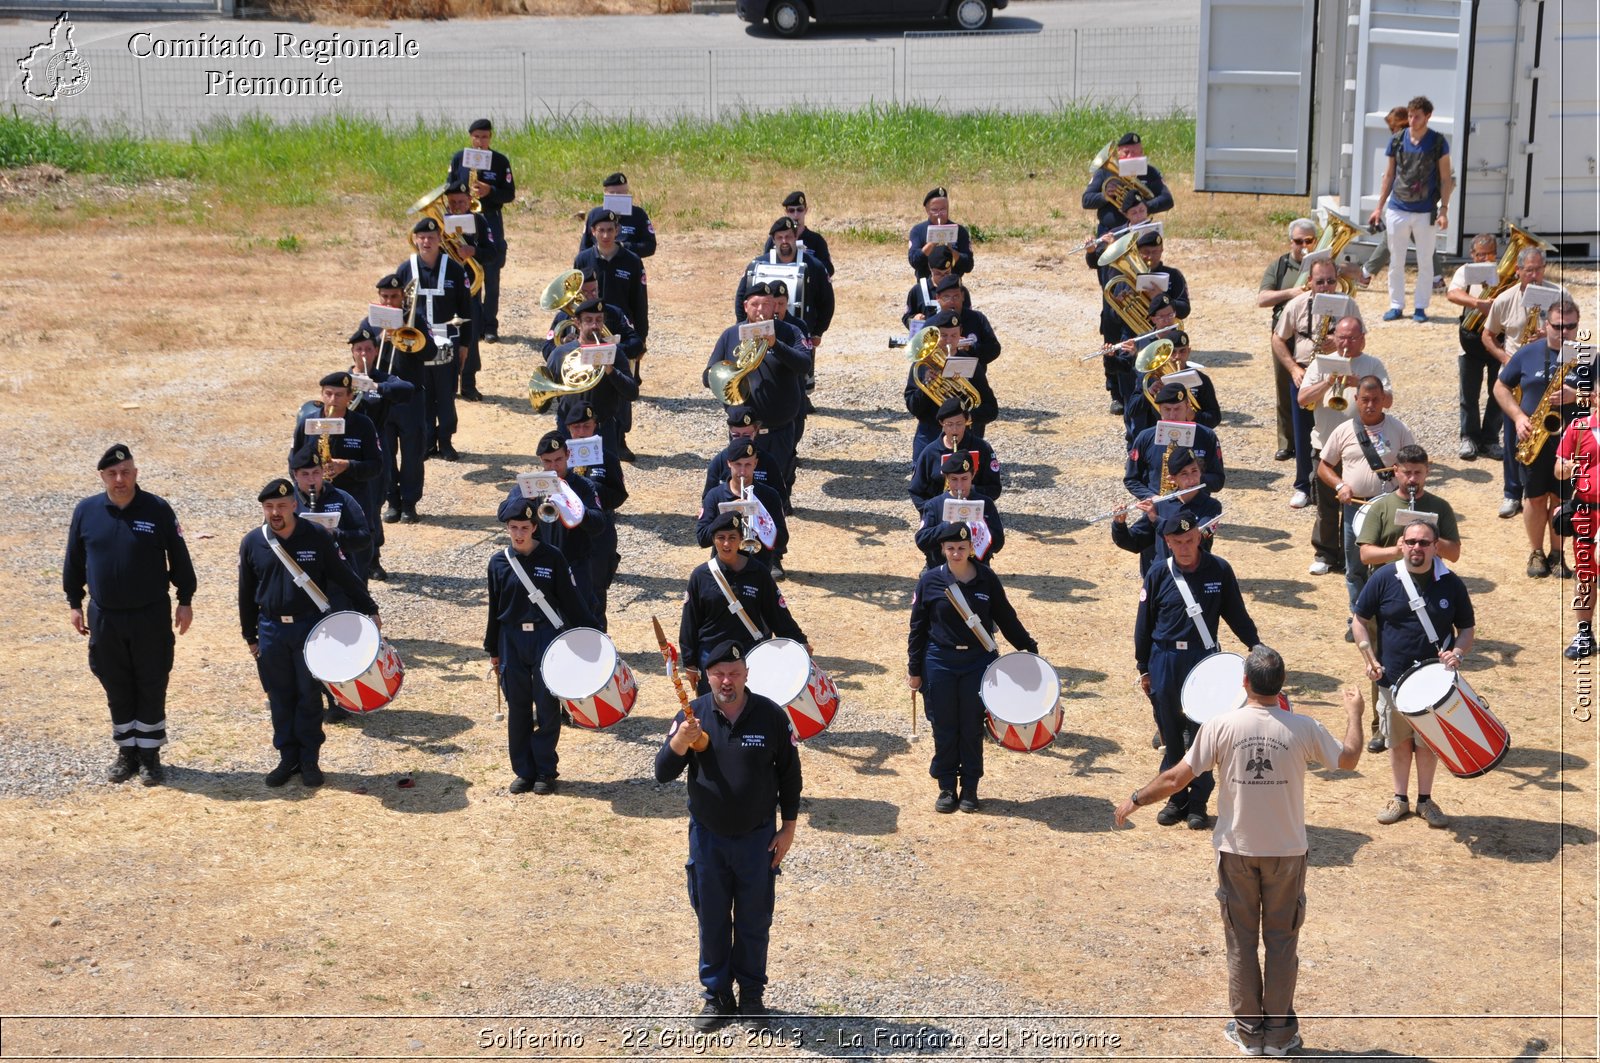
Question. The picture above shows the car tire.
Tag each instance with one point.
(788, 18)
(970, 14)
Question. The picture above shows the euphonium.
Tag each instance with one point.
(1506, 267)
(1332, 237)
(725, 378)
(1133, 306)
(1155, 362)
(408, 337)
(924, 352)
(431, 205)
(1116, 186)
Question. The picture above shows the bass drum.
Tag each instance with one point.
(1455, 721)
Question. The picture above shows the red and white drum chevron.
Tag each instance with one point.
(782, 670)
(346, 654)
(1444, 710)
(1022, 700)
(582, 668)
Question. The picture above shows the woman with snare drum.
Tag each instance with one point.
(954, 613)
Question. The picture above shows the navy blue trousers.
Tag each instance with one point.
(533, 715)
(403, 445)
(130, 652)
(1168, 669)
(294, 695)
(732, 888)
(954, 709)
(439, 403)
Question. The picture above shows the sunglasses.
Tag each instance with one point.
(1303, 243)
(1572, 327)
(1417, 542)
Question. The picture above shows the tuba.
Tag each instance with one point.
(431, 205)
(1332, 237)
(725, 378)
(1506, 267)
(925, 352)
(1122, 292)
(1116, 186)
(408, 337)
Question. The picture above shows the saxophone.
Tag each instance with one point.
(1547, 420)
(324, 453)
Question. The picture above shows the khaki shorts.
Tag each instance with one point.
(1396, 728)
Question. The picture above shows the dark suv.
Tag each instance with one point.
(791, 18)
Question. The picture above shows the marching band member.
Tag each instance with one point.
(495, 188)
(1142, 477)
(1117, 360)
(353, 534)
(816, 312)
(443, 295)
(1144, 413)
(937, 205)
(958, 475)
(1168, 643)
(1107, 216)
(954, 613)
(635, 231)
(1294, 344)
(955, 436)
(532, 596)
(388, 400)
(796, 208)
(1480, 414)
(576, 541)
(619, 273)
(276, 613)
(127, 547)
(975, 337)
(1151, 249)
(774, 390)
(475, 246)
(1140, 537)
(744, 427)
(579, 422)
(741, 461)
(924, 408)
(354, 460)
(1278, 286)
(402, 439)
(623, 334)
(922, 300)
(616, 387)
(730, 598)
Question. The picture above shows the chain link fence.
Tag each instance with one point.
(1149, 71)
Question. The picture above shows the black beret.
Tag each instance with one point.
(953, 532)
(515, 507)
(778, 289)
(1150, 238)
(279, 488)
(550, 443)
(1179, 338)
(591, 277)
(340, 379)
(1182, 521)
(728, 521)
(949, 282)
(942, 257)
(951, 408)
(116, 454)
(390, 280)
(425, 225)
(785, 224)
(739, 450)
(613, 180)
(1132, 197)
(1179, 459)
(956, 463)
(1161, 302)
(365, 334)
(305, 457)
(795, 199)
(1171, 392)
(935, 193)
(740, 416)
(1129, 138)
(589, 306)
(603, 215)
(456, 187)
(575, 412)
(726, 650)
(481, 125)
(758, 288)
(945, 319)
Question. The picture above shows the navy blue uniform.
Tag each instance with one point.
(815, 314)
(629, 345)
(951, 661)
(919, 300)
(1109, 217)
(394, 415)
(577, 545)
(933, 516)
(1142, 413)
(766, 474)
(927, 476)
(276, 616)
(919, 261)
(767, 497)
(1177, 291)
(518, 633)
(620, 282)
(492, 239)
(610, 491)
(707, 620)
(401, 436)
(985, 347)
(1404, 642)
(775, 389)
(636, 232)
(1142, 476)
(813, 242)
(609, 397)
(442, 295)
(128, 558)
(750, 769)
(1167, 646)
(359, 445)
(1139, 536)
(353, 534)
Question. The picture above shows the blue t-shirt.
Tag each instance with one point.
(1404, 642)
(1416, 170)
(1530, 369)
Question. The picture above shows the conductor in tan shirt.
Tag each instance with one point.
(1259, 754)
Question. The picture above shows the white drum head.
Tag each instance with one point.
(342, 646)
(1213, 687)
(1423, 688)
(1020, 688)
(779, 669)
(578, 662)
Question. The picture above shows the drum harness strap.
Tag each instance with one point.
(972, 619)
(296, 573)
(534, 594)
(1385, 473)
(1414, 600)
(735, 606)
(1192, 607)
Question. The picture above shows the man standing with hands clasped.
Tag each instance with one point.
(1259, 754)
(749, 769)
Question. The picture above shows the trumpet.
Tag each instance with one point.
(548, 513)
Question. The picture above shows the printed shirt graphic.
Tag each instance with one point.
(55, 69)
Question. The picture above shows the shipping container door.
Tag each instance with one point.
(1253, 115)
(1563, 137)
(1489, 164)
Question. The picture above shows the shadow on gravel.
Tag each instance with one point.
(1073, 681)
(1081, 751)
(1503, 652)
(482, 523)
(879, 420)
(884, 592)
(1472, 474)
(1064, 812)
(1540, 768)
(1067, 589)
(675, 527)
(851, 815)
(1271, 538)
(865, 750)
(637, 798)
(447, 658)
(1283, 593)
(1477, 585)
(1369, 1053)
(452, 590)
(846, 671)
(425, 732)
(1213, 359)
(432, 792)
(1315, 683)
(1517, 841)
(1050, 530)
(651, 589)
(683, 461)
(1333, 846)
(1258, 480)
(870, 529)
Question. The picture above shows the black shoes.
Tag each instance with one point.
(472, 394)
(718, 1012)
(624, 452)
(1116, 408)
(519, 785)
(751, 1005)
(946, 802)
(378, 574)
(151, 773)
(1170, 814)
(778, 574)
(1283, 455)
(544, 785)
(125, 767)
(1377, 744)
(448, 452)
(310, 774)
(1196, 820)
(280, 775)
(408, 511)
(492, 337)
(969, 803)
(392, 514)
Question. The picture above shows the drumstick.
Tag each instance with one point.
(670, 655)
(499, 713)
(913, 714)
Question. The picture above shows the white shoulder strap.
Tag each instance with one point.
(972, 619)
(296, 573)
(534, 594)
(1190, 606)
(735, 606)
(1414, 600)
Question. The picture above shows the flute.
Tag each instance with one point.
(1108, 348)
(1108, 514)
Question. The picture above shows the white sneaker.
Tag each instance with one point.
(1299, 500)
(1318, 567)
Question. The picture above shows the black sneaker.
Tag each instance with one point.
(519, 785)
(392, 514)
(1170, 814)
(125, 767)
(378, 574)
(448, 452)
(311, 775)
(751, 1004)
(151, 773)
(969, 803)
(1115, 408)
(544, 785)
(280, 775)
(946, 801)
(408, 513)
(719, 1010)
(1196, 820)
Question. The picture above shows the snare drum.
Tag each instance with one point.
(582, 668)
(1444, 710)
(1215, 686)
(1021, 696)
(346, 654)
(782, 670)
